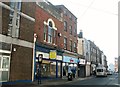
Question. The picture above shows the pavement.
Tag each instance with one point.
(45, 82)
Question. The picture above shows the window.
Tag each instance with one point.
(65, 43)
(11, 18)
(45, 33)
(75, 20)
(49, 34)
(65, 26)
(53, 69)
(54, 36)
(65, 12)
(5, 62)
(70, 45)
(99, 70)
(19, 5)
(75, 32)
(12, 4)
(10, 30)
(75, 47)
(13, 28)
(70, 28)
(70, 16)
(4, 68)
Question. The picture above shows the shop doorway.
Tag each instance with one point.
(4, 68)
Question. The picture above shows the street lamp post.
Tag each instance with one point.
(40, 56)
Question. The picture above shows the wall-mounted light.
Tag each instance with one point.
(59, 34)
(14, 49)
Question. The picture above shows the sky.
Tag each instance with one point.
(98, 19)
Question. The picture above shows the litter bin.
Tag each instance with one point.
(70, 77)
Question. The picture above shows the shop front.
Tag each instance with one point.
(69, 62)
(51, 66)
(93, 67)
(82, 68)
(88, 68)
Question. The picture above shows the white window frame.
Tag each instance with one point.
(4, 69)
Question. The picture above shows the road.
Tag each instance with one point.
(109, 80)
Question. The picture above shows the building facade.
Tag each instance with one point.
(48, 29)
(93, 56)
(84, 50)
(32, 28)
(69, 39)
(16, 41)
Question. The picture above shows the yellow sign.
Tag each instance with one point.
(53, 54)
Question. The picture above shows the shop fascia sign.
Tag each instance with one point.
(69, 59)
(82, 61)
(88, 63)
(53, 54)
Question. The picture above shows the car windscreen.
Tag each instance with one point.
(99, 70)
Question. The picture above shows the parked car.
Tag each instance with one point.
(109, 72)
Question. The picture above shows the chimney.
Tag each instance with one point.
(80, 35)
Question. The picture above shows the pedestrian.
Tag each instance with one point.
(69, 73)
(73, 71)
(69, 70)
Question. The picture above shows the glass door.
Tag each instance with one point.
(4, 68)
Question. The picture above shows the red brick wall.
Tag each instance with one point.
(21, 63)
(73, 24)
(5, 21)
(41, 16)
(27, 26)
(21, 59)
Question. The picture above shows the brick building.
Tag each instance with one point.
(55, 32)
(69, 37)
(16, 40)
(48, 28)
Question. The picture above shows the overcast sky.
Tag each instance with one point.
(98, 19)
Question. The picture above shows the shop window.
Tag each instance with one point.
(45, 70)
(65, 69)
(53, 69)
(59, 69)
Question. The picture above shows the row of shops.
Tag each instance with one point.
(57, 67)
(50, 67)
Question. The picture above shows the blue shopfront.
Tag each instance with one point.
(69, 62)
(50, 68)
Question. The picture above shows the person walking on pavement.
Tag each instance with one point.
(74, 71)
(69, 73)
